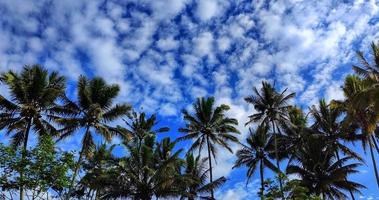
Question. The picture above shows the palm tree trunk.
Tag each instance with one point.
(277, 158)
(24, 155)
(375, 144)
(374, 162)
(210, 166)
(338, 159)
(262, 179)
(76, 170)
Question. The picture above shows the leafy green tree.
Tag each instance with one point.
(34, 92)
(194, 179)
(256, 152)
(321, 173)
(292, 189)
(271, 108)
(44, 169)
(93, 112)
(209, 126)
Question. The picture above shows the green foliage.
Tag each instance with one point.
(44, 168)
(292, 189)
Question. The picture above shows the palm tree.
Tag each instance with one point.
(209, 126)
(100, 172)
(359, 114)
(369, 71)
(321, 172)
(143, 174)
(93, 112)
(34, 92)
(272, 108)
(295, 131)
(257, 151)
(328, 123)
(195, 176)
(139, 126)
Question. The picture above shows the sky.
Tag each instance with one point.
(165, 53)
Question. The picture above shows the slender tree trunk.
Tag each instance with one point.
(375, 144)
(76, 170)
(24, 156)
(262, 179)
(210, 167)
(374, 162)
(277, 158)
(338, 159)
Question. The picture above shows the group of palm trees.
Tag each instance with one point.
(314, 148)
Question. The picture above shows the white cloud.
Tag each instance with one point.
(204, 44)
(240, 191)
(206, 9)
(223, 43)
(167, 44)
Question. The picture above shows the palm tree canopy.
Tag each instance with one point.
(321, 172)
(140, 126)
(328, 122)
(367, 70)
(359, 111)
(33, 95)
(257, 150)
(95, 109)
(269, 104)
(195, 178)
(210, 122)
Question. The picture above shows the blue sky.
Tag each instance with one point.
(165, 53)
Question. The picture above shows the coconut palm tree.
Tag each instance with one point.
(195, 177)
(368, 70)
(93, 112)
(100, 172)
(143, 175)
(359, 114)
(370, 73)
(271, 108)
(327, 121)
(140, 126)
(294, 130)
(321, 172)
(256, 152)
(33, 95)
(209, 126)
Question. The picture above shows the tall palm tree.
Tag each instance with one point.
(257, 151)
(321, 172)
(271, 108)
(34, 92)
(370, 73)
(359, 114)
(195, 177)
(93, 112)
(209, 126)
(328, 123)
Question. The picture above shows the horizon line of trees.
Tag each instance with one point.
(313, 147)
